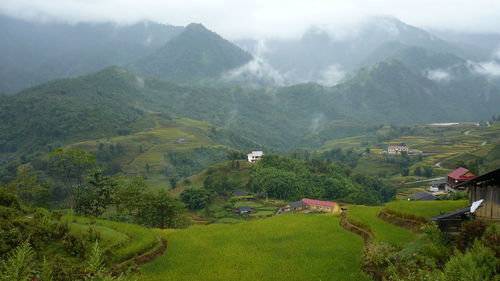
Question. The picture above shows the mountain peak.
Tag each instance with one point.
(194, 55)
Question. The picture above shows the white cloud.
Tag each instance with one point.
(257, 72)
(236, 19)
(489, 68)
(332, 75)
(439, 75)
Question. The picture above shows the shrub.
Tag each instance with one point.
(478, 263)
(74, 245)
(491, 238)
(377, 257)
(471, 231)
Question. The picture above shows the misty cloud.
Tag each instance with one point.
(490, 69)
(265, 19)
(439, 75)
(332, 75)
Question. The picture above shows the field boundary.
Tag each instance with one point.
(364, 231)
(148, 256)
(401, 221)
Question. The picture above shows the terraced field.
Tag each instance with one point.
(384, 231)
(425, 209)
(285, 247)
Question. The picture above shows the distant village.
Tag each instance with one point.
(483, 194)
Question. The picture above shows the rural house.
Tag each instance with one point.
(314, 205)
(239, 192)
(438, 185)
(254, 156)
(486, 187)
(459, 176)
(422, 195)
(397, 149)
(297, 206)
(244, 210)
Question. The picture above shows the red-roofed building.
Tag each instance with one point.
(459, 176)
(324, 206)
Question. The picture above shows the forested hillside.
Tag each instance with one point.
(194, 55)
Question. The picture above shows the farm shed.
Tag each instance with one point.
(422, 195)
(486, 187)
(244, 210)
(452, 222)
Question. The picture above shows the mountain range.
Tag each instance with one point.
(398, 74)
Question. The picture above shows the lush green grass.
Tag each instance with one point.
(426, 209)
(286, 247)
(125, 240)
(384, 231)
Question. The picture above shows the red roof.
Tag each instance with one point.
(317, 202)
(459, 173)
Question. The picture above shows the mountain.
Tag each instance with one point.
(194, 54)
(35, 52)
(113, 101)
(320, 56)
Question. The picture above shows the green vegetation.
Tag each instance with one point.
(384, 231)
(425, 209)
(268, 249)
(433, 256)
(292, 179)
(195, 54)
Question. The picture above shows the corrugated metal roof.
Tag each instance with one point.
(317, 202)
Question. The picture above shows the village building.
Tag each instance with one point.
(459, 176)
(422, 195)
(438, 185)
(254, 156)
(297, 206)
(314, 205)
(487, 188)
(397, 149)
(244, 210)
(239, 192)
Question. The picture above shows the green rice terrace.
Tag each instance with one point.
(285, 247)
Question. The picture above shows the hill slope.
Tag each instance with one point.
(196, 53)
(35, 52)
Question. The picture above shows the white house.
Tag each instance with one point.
(396, 149)
(254, 156)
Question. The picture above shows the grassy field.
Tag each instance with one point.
(426, 209)
(286, 247)
(384, 231)
(151, 146)
(125, 240)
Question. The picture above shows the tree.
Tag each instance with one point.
(160, 210)
(196, 198)
(28, 188)
(129, 195)
(94, 198)
(173, 182)
(72, 166)
(147, 167)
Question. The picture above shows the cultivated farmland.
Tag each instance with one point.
(286, 247)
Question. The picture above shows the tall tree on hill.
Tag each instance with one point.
(71, 165)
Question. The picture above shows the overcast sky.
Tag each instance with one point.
(237, 19)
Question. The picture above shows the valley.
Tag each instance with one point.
(145, 150)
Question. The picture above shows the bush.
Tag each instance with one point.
(377, 257)
(478, 263)
(74, 245)
(471, 231)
